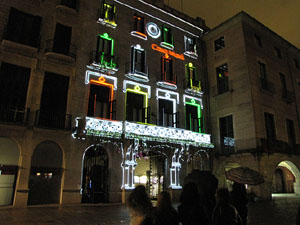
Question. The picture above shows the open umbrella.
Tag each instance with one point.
(244, 175)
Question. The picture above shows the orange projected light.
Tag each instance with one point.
(167, 52)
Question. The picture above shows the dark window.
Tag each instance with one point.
(296, 62)
(54, 101)
(167, 70)
(283, 85)
(167, 36)
(135, 110)
(190, 44)
(139, 24)
(62, 39)
(263, 71)
(219, 43)
(222, 79)
(13, 85)
(226, 133)
(277, 52)
(192, 120)
(258, 40)
(99, 105)
(166, 114)
(270, 127)
(291, 132)
(70, 3)
(138, 60)
(23, 28)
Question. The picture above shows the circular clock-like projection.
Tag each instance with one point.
(153, 30)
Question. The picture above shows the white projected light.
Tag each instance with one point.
(153, 30)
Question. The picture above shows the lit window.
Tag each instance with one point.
(193, 119)
(137, 69)
(166, 115)
(104, 57)
(222, 79)
(167, 70)
(190, 47)
(108, 15)
(139, 27)
(219, 43)
(167, 38)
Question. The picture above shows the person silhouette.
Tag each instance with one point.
(238, 198)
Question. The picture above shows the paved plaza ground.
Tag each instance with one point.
(280, 211)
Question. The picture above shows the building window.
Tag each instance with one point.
(62, 39)
(108, 15)
(105, 53)
(139, 27)
(23, 28)
(219, 43)
(258, 40)
(277, 52)
(190, 47)
(137, 69)
(54, 102)
(70, 4)
(291, 132)
(270, 127)
(100, 102)
(193, 119)
(167, 70)
(167, 117)
(296, 62)
(167, 38)
(13, 92)
(192, 79)
(136, 109)
(262, 70)
(222, 79)
(226, 134)
(283, 85)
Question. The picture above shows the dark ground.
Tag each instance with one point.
(280, 211)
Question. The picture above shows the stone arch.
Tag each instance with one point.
(94, 175)
(294, 170)
(9, 161)
(45, 174)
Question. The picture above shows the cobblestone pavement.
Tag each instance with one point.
(280, 211)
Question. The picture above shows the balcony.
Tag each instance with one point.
(108, 16)
(92, 127)
(65, 53)
(168, 119)
(276, 146)
(267, 86)
(53, 120)
(139, 115)
(105, 63)
(71, 6)
(14, 115)
(164, 82)
(193, 87)
(137, 71)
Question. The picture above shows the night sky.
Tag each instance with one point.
(281, 16)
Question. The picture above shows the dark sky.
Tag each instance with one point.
(281, 16)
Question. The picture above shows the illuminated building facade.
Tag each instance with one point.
(254, 100)
(98, 97)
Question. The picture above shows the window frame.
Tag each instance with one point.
(221, 45)
(166, 35)
(105, 18)
(222, 86)
(188, 51)
(139, 29)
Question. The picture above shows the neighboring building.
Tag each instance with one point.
(254, 98)
(130, 72)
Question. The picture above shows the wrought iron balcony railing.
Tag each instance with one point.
(13, 114)
(137, 71)
(54, 120)
(104, 62)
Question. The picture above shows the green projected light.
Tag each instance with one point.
(107, 61)
(193, 103)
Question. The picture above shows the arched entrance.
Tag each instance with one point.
(9, 159)
(151, 171)
(94, 185)
(45, 174)
(286, 178)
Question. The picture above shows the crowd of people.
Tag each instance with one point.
(229, 208)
